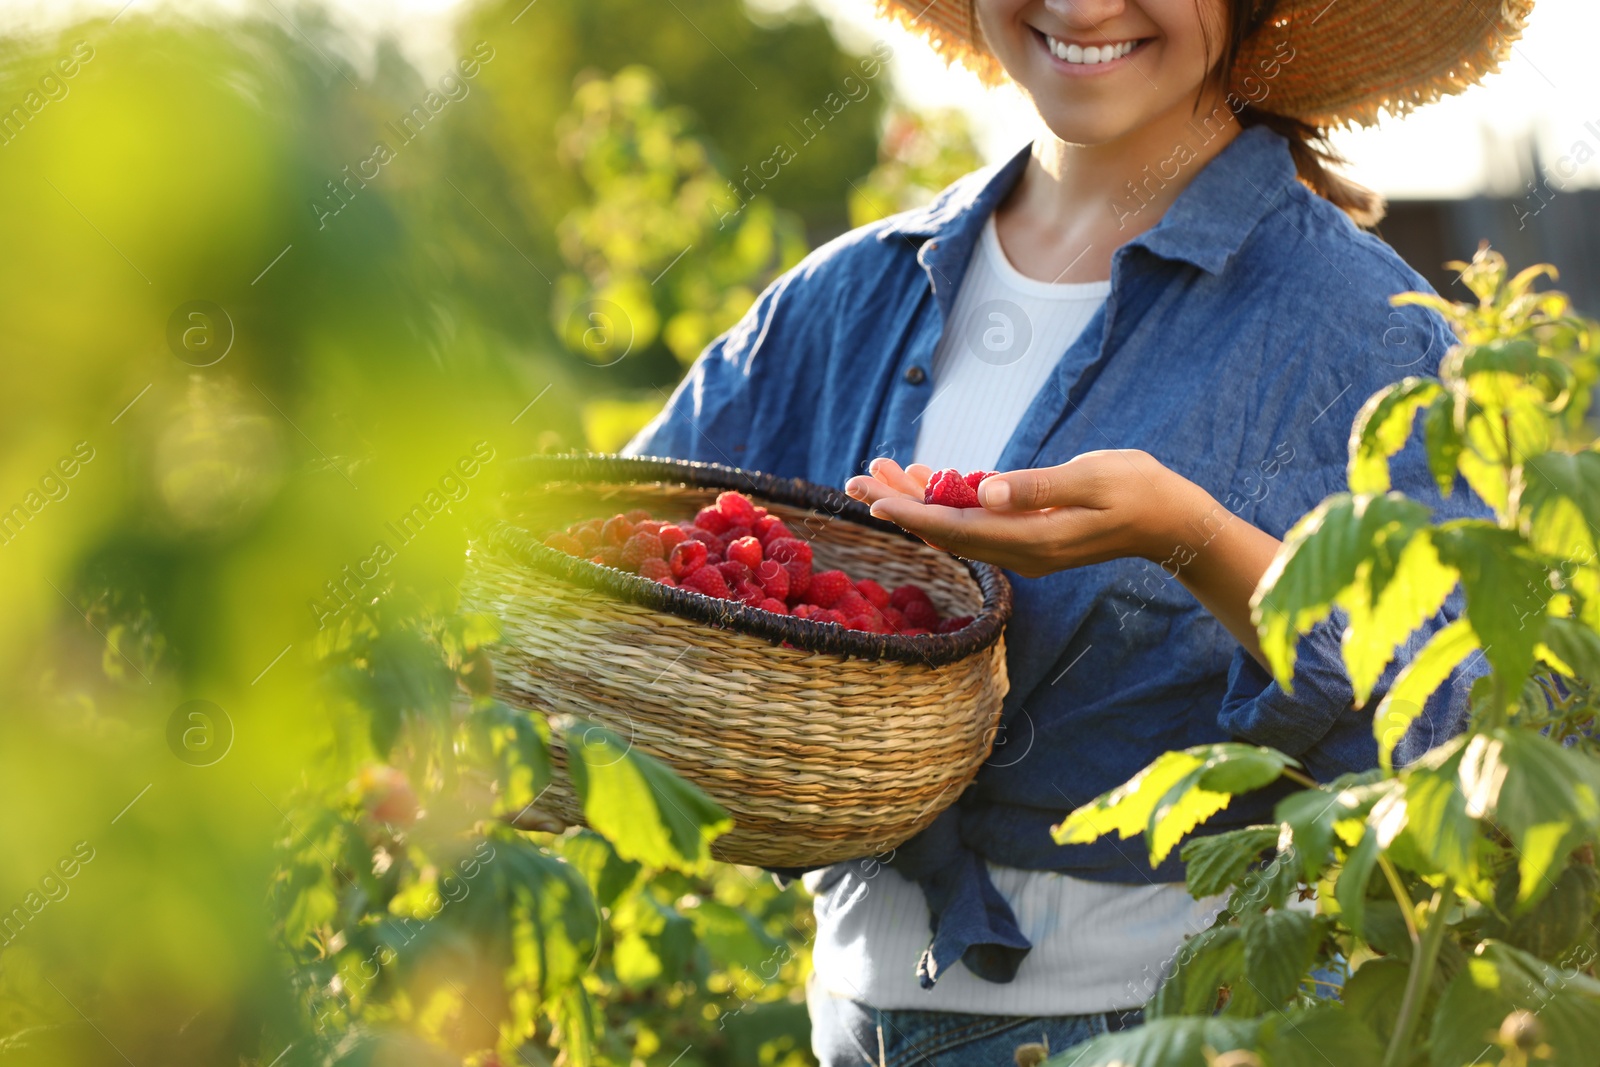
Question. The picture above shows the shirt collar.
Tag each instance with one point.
(1205, 225)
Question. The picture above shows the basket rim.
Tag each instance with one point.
(932, 650)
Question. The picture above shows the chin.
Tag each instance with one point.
(1080, 125)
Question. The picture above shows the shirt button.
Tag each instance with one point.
(916, 375)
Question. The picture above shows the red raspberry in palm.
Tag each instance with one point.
(707, 580)
(739, 509)
(949, 489)
(656, 569)
(972, 478)
(687, 558)
(746, 550)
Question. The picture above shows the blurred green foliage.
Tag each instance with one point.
(278, 311)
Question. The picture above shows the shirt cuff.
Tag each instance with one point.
(1257, 709)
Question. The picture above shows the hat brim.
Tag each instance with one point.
(1325, 62)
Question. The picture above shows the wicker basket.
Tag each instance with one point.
(842, 745)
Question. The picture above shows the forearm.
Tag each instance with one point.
(1223, 566)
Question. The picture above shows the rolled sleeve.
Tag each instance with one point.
(1258, 709)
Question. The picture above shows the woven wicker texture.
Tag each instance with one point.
(819, 756)
(1353, 60)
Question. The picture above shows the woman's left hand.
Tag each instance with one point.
(1095, 507)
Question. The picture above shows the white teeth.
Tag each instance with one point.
(1091, 56)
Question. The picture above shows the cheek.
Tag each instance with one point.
(1002, 27)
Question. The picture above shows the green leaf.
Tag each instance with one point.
(647, 812)
(1217, 861)
(1278, 949)
(546, 912)
(1389, 605)
(731, 935)
(1416, 682)
(1350, 890)
(1562, 919)
(1381, 428)
(1208, 961)
(1501, 979)
(1544, 796)
(1173, 795)
(1374, 991)
(1443, 441)
(1328, 1035)
(1575, 645)
(1503, 579)
(607, 873)
(1318, 561)
(1560, 503)
(1162, 1043)
(1438, 822)
(1312, 814)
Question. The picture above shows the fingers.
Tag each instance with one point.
(920, 473)
(871, 490)
(1075, 483)
(891, 474)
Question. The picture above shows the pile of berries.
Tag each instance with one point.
(953, 489)
(734, 550)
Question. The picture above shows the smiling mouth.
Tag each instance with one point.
(1078, 54)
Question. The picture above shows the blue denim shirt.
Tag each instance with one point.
(1241, 335)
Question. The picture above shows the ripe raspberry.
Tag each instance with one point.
(637, 515)
(737, 507)
(655, 569)
(789, 550)
(648, 526)
(706, 537)
(761, 512)
(949, 489)
(972, 478)
(565, 542)
(640, 547)
(774, 579)
(827, 587)
(712, 520)
(921, 614)
(611, 555)
(762, 527)
(954, 623)
(915, 631)
(669, 582)
(858, 622)
(828, 615)
(588, 535)
(598, 558)
(805, 611)
(616, 531)
(734, 532)
(876, 594)
(687, 558)
(734, 571)
(749, 593)
(672, 537)
(895, 619)
(851, 603)
(707, 580)
(906, 594)
(774, 605)
(746, 550)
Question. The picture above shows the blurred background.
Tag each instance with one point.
(276, 276)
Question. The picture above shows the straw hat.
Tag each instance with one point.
(1352, 59)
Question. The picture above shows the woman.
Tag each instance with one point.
(1158, 321)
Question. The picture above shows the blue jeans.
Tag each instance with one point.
(844, 1033)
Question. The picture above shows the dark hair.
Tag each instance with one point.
(1315, 159)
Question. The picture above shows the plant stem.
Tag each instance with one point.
(1304, 779)
(1407, 908)
(1425, 951)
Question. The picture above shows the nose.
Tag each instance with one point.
(1085, 13)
